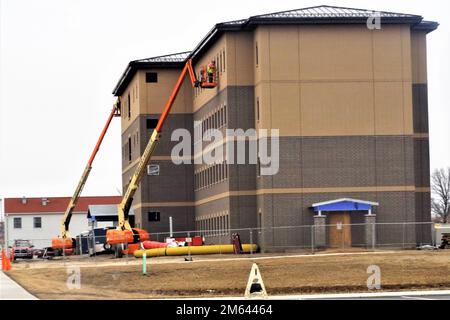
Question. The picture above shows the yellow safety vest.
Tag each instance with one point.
(211, 68)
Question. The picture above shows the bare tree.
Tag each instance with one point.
(440, 202)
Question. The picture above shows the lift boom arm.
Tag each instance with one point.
(125, 205)
(65, 221)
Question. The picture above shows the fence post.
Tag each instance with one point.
(403, 235)
(312, 239)
(189, 246)
(251, 242)
(373, 235)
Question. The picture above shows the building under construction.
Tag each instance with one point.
(350, 102)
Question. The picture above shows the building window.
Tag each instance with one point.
(129, 105)
(37, 222)
(153, 169)
(129, 149)
(154, 216)
(17, 223)
(258, 168)
(151, 77)
(257, 109)
(256, 54)
(223, 60)
(225, 120)
(151, 123)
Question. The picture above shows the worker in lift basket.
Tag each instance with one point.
(211, 70)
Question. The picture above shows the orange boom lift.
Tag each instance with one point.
(65, 241)
(122, 236)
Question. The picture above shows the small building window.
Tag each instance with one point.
(153, 169)
(258, 168)
(151, 77)
(37, 222)
(129, 149)
(151, 123)
(17, 223)
(129, 105)
(225, 120)
(256, 54)
(154, 216)
(223, 61)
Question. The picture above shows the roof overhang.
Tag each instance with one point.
(134, 66)
(344, 204)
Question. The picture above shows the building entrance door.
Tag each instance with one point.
(340, 233)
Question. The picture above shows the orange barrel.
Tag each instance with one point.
(154, 244)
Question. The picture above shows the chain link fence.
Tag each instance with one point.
(305, 239)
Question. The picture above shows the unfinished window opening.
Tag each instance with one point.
(151, 123)
(154, 216)
(151, 77)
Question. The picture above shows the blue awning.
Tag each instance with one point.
(345, 204)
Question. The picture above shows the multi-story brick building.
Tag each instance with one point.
(349, 100)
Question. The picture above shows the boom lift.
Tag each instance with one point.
(124, 234)
(65, 241)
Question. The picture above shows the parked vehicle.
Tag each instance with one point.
(23, 249)
(99, 243)
(93, 242)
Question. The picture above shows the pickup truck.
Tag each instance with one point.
(23, 249)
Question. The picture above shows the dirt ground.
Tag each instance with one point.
(216, 276)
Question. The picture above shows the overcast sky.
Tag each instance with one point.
(60, 60)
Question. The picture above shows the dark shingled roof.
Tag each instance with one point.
(312, 15)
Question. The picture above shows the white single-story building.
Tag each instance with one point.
(39, 219)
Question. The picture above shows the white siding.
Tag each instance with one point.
(50, 227)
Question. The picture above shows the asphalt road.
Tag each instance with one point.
(399, 297)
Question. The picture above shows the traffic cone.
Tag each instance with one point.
(3, 260)
(6, 264)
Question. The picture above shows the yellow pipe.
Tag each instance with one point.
(181, 251)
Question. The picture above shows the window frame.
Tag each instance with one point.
(19, 225)
(35, 220)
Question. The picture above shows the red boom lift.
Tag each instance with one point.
(122, 236)
(65, 241)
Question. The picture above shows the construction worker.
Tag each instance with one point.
(211, 70)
